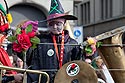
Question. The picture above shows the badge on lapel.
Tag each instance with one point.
(50, 52)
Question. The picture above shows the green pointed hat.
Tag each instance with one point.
(57, 11)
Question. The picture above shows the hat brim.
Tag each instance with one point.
(69, 17)
(64, 16)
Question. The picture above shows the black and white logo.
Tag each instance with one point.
(72, 69)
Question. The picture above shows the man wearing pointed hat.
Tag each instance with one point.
(58, 47)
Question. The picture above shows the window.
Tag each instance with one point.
(76, 12)
(82, 11)
(123, 6)
(106, 9)
(86, 12)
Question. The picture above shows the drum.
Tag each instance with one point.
(76, 72)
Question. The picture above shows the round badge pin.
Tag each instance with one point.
(72, 69)
(50, 52)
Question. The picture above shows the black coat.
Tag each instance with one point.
(42, 60)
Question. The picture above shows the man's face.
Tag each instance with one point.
(56, 26)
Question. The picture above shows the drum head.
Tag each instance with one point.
(76, 72)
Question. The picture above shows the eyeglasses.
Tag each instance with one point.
(55, 22)
(19, 61)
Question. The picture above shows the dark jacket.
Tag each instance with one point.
(6, 79)
(42, 60)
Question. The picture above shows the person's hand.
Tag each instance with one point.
(18, 78)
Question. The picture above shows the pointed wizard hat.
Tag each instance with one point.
(57, 11)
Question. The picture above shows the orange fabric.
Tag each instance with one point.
(60, 57)
(5, 60)
(4, 57)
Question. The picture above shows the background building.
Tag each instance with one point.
(95, 16)
(99, 16)
(34, 10)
